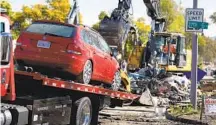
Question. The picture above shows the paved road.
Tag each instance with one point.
(134, 115)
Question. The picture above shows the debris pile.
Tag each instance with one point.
(160, 83)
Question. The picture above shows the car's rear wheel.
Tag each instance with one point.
(85, 76)
(116, 81)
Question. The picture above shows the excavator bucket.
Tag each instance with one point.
(114, 31)
(115, 28)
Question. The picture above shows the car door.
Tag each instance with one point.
(109, 61)
(98, 58)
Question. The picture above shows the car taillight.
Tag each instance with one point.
(73, 49)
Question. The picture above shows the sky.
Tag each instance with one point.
(90, 9)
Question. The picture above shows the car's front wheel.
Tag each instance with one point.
(116, 81)
(85, 76)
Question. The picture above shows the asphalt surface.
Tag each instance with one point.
(134, 115)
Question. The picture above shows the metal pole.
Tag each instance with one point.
(194, 65)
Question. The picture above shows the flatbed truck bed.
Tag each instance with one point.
(52, 101)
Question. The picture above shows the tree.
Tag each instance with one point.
(100, 18)
(168, 8)
(13, 16)
(173, 15)
(55, 10)
(96, 26)
(102, 15)
(143, 29)
(213, 17)
(4, 4)
(208, 52)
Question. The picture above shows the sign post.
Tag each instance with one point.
(194, 23)
(194, 14)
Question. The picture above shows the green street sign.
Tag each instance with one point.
(204, 25)
(197, 25)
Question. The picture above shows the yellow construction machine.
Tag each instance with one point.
(166, 50)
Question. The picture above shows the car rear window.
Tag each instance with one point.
(51, 28)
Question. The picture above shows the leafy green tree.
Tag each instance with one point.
(6, 5)
(96, 26)
(55, 10)
(174, 16)
(168, 8)
(143, 29)
(213, 17)
(102, 15)
(100, 18)
(209, 53)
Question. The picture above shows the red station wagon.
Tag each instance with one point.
(71, 49)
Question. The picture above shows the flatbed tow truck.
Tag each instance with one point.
(30, 98)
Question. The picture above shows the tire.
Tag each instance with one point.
(85, 76)
(116, 81)
(83, 111)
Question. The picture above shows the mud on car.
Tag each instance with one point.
(67, 51)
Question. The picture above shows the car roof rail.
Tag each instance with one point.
(88, 27)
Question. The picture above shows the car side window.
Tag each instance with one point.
(85, 37)
(104, 45)
(94, 40)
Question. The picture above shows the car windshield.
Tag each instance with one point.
(52, 29)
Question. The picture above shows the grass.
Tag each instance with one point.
(179, 110)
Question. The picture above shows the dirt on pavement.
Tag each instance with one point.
(134, 115)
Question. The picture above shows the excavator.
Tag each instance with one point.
(164, 49)
(118, 28)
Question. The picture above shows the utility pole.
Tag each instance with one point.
(194, 64)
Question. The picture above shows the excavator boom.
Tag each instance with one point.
(73, 15)
(152, 8)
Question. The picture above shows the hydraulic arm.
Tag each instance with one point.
(153, 11)
(73, 15)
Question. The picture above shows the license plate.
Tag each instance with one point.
(43, 44)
